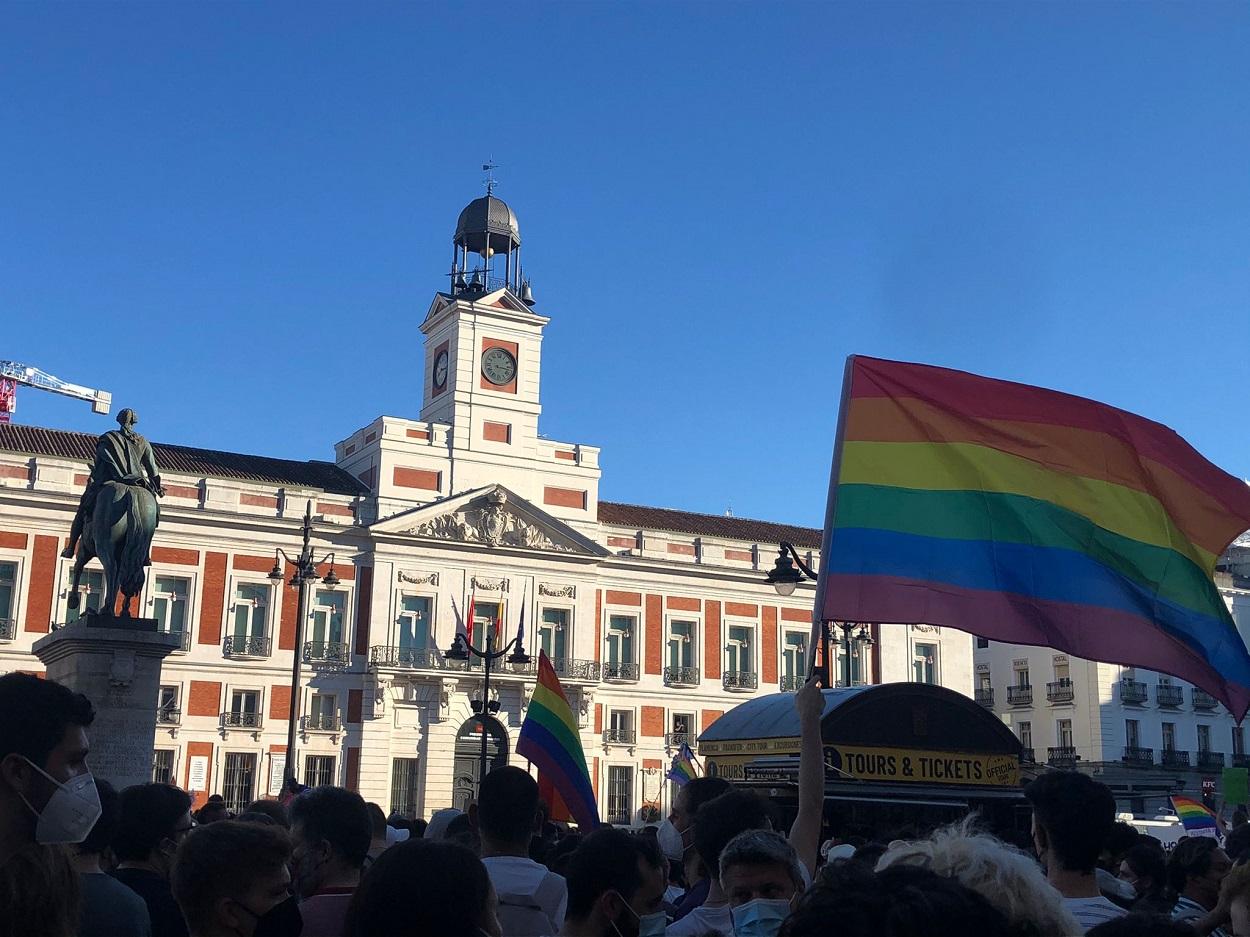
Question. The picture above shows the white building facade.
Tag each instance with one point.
(657, 620)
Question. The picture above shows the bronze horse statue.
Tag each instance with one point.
(120, 534)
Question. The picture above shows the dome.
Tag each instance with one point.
(487, 218)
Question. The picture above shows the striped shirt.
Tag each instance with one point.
(1189, 911)
(1091, 911)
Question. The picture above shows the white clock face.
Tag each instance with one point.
(440, 369)
(498, 366)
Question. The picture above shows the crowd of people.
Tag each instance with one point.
(80, 859)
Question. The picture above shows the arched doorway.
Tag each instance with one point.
(469, 756)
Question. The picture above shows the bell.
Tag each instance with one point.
(476, 282)
(527, 294)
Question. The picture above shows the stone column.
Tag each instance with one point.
(115, 663)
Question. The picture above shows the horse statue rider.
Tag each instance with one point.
(117, 515)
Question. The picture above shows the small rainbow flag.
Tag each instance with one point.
(682, 771)
(1197, 819)
(1030, 517)
(549, 739)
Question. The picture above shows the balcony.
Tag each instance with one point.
(1210, 761)
(985, 696)
(240, 720)
(406, 658)
(620, 672)
(1171, 758)
(1168, 695)
(1133, 691)
(321, 722)
(1139, 757)
(1241, 760)
(1061, 756)
(184, 644)
(168, 716)
(681, 676)
(1060, 691)
(1027, 756)
(618, 736)
(1020, 695)
(1203, 700)
(8, 629)
(676, 739)
(739, 681)
(570, 668)
(330, 654)
(791, 682)
(238, 647)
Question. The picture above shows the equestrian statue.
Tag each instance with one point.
(117, 515)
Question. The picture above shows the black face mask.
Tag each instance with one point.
(282, 920)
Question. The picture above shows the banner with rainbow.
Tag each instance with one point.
(1197, 819)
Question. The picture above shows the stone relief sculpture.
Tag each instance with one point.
(492, 524)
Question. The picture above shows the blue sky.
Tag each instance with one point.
(718, 202)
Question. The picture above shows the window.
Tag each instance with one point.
(163, 766)
(404, 786)
(1022, 677)
(553, 632)
(924, 663)
(414, 623)
(244, 709)
(1239, 740)
(794, 656)
(621, 639)
(1204, 738)
(1132, 733)
(681, 644)
(983, 681)
(983, 643)
(682, 728)
(1026, 734)
(91, 594)
(739, 653)
(323, 712)
(1062, 674)
(239, 780)
(318, 770)
(8, 593)
(486, 616)
(169, 603)
(250, 603)
(621, 726)
(327, 618)
(167, 711)
(620, 793)
(1169, 736)
(1063, 729)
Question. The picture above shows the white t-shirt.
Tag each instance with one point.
(1091, 911)
(513, 875)
(702, 920)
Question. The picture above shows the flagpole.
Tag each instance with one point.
(820, 632)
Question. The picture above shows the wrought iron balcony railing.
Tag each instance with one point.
(184, 643)
(332, 653)
(406, 658)
(1203, 700)
(168, 715)
(1210, 760)
(1027, 756)
(985, 696)
(1168, 695)
(1061, 756)
(1020, 695)
(1173, 758)
(1060, 691)
(1139, 757)
(244, 647)
(740, 680)
(570, 668)
(1241, 759)
(240, 720)
(618, 736)
(1133, 691)
(8, 629)
(791, 682)
(620, 672)
(321, 722)
(676, 739)
(681, 676)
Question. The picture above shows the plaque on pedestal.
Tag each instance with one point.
(115, 663)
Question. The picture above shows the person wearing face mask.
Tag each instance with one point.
(231, 880)
(109, 908)
(616, 887)
(153, 819)
(330, 833)
(47, 797)
(676, 839)
(761, 877)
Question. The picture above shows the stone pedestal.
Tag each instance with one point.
(115, 663)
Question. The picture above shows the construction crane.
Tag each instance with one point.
(12, 374)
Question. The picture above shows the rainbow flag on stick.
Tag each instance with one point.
(1197, 819)
(1030, 516)
(682, 771)
(549, 739)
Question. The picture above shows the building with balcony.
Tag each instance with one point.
(461, 518)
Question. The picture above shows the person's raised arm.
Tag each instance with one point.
(805, 833)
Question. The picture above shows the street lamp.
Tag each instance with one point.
(462, 650)
(305, 566)
(785, 577)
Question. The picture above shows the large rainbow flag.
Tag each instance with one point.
(1030, 516)
(550, 740)
(1195, 818)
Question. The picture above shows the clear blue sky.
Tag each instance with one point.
(719, 202)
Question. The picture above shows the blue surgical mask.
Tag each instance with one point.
(761, 917)
(649, 925)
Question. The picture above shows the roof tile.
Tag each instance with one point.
(708, 525)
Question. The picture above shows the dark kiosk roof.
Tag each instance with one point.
(62, 444)
(709, 525)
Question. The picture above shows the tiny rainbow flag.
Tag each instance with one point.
(682, 770)
(549, 739)
(1030, 516)
(1197, 819)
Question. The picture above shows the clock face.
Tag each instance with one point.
(440, 369)
(498, 366)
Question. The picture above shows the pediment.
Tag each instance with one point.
(493, 517)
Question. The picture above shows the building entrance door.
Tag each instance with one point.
(469, 754)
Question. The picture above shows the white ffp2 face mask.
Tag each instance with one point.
(70, 812)
(669, 839)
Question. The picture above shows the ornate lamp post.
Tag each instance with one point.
(784, 577)
(305, 566)
(462, 650)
